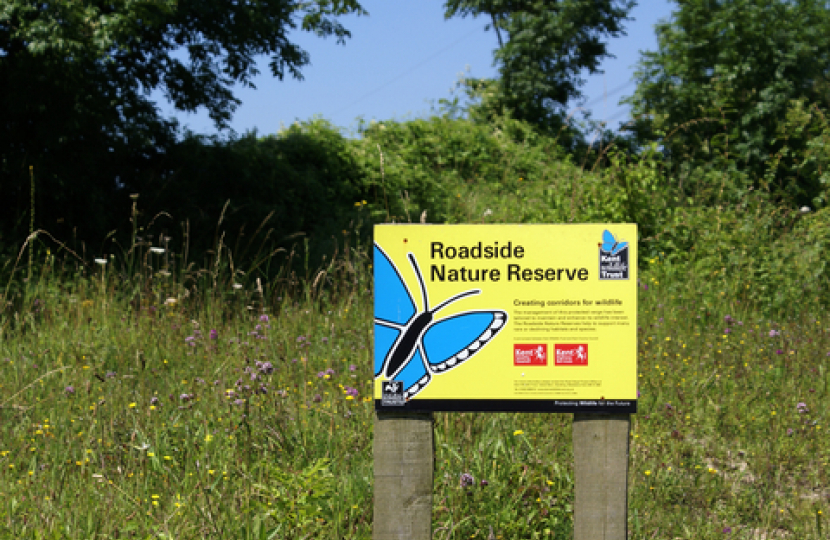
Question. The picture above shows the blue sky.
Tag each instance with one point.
(403, 58)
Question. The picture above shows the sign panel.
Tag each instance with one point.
(506, 318)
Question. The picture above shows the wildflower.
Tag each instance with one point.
(214, 334)
(352, 367)
(132, 405)
(779, 351)
(263, 318)
(186, 397)
(351, 391)
(171, 302)
(728, 318)
(157, 250)
(239, 402)
(155, 401)
(773, 333)
(802, 407)
(317, 398)
(789, 431)
(265, 367)
(466, 480)
(485, 483)
(518, 432)
(69, 390)
(648, 473)
(727, 530)
(102, 262)
(110, 374)
(236, 286)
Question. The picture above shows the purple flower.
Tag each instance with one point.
(727, 530)
(155, 401)
(265, 367)
(214, 334)
(229, 394)
(239, 402)
(789, 431)
(727, 330)
(69, 390)
(802, 407)
(728, 318)
(351, 391)
(321, 374)
(186, 397)
(779, 351)
(485, 483)
(330, 371)
(263, 318)
(466, 480)
(352, 367)
(773, 333)
(110, 374)
(317, 398)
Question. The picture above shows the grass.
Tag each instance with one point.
(136, 407)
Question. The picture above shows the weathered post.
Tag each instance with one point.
(404, 468)
(600, 445)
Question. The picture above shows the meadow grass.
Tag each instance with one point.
(212, 405)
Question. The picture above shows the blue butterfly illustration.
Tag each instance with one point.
(610, 245)
(411, 346)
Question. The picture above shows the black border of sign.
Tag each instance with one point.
(612, 406)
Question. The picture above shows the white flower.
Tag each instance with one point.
(805, 209)
(237, 286)
(102, 262)
(157, 250)
(171, 302)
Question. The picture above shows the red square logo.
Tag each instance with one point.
(530, 355)
(571, 354)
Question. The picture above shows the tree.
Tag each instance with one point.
(725, 74)
(544, 47)
(75, 80)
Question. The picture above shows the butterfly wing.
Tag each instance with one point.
(619, 247)
(608, 241)
(394, 306)
(414, 375)
(452, 341)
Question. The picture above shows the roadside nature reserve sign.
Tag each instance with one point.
(506, 318)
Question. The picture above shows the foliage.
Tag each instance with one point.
(75, 79)
(722, 80)
(544, 48)
(253, 187)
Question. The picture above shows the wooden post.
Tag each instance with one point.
(600, 443)
(404, 468)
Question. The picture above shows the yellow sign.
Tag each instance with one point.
(506, 317)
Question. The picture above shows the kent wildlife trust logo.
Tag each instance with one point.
(530, 355)
(613, 257)
(571, 354)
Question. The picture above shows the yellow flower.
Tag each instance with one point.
(648, 473)
(132, 405)
(518, 432)
(151, 454)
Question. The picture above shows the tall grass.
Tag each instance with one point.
(207, 405)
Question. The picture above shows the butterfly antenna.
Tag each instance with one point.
(454, 298)
(414, 264)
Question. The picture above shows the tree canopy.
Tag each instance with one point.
(76, 78)
(544, 47)
(725, 74)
